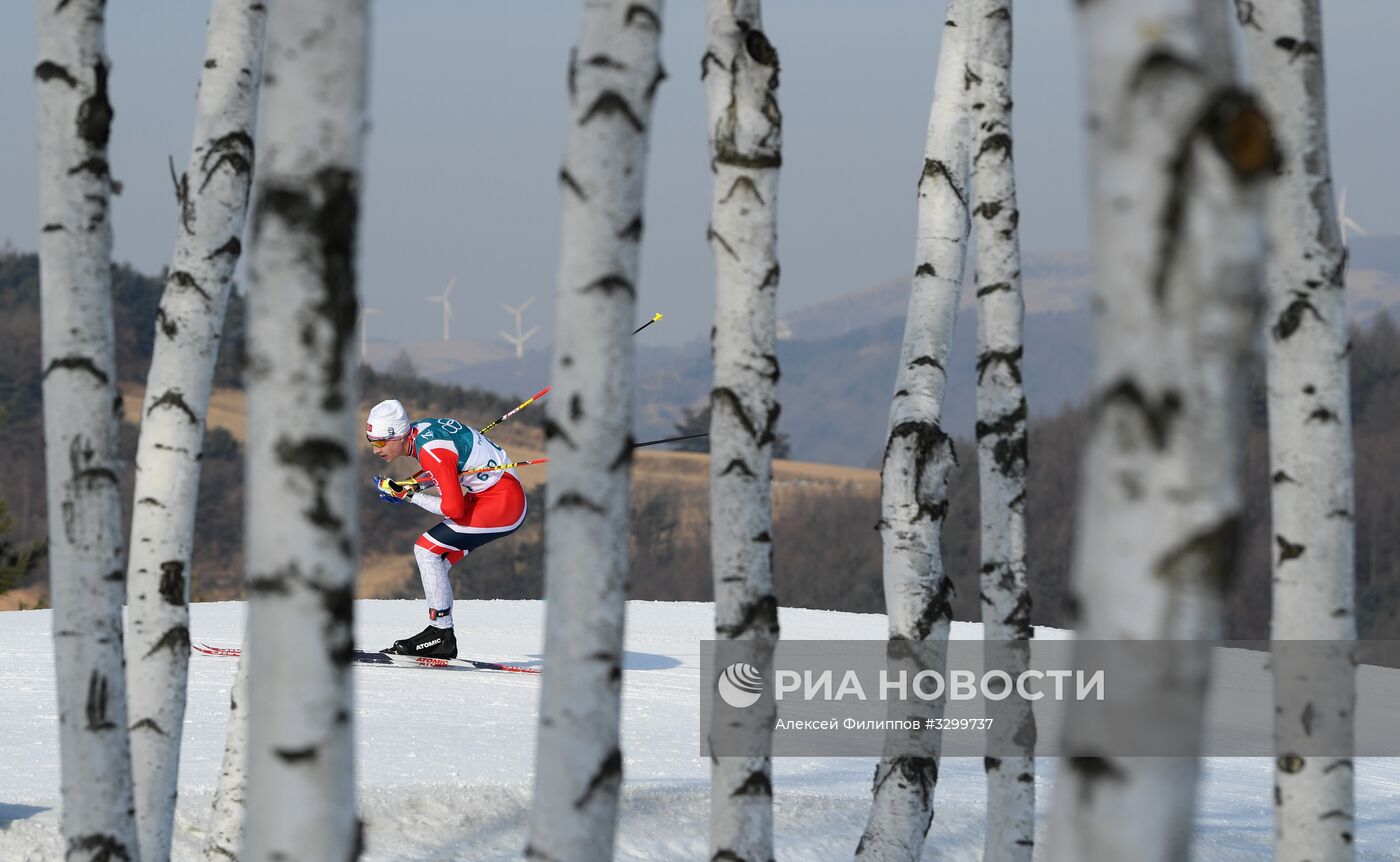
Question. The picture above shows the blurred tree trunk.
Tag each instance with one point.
(1310, 436)
(213, 197)
(303, 431)
(1002, 444)
(740, 73)
(918, 454)
(613, 75)
(1179, 156)
(81, 414)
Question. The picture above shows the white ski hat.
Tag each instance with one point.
(387, 420)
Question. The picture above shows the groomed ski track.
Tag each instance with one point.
(445, 759)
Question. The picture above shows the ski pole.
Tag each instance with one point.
(655, 317)
(416, 478)
(531, 400)
(667, 440)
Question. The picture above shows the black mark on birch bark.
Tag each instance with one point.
(1295, 48)
(1292, 317)
(575, 499)
(97, 846)
(176, 639)
(172, 582)
(608, 103)
(168, 327)
(50, 71)
(296, 755)
(737, 466)
(1158, 417)
(180, 278)
(642, 16)
(96, 707)
(730, 398)
(705, 61)
(933, 169)
(712, 234)
(173, 398)
(1093, 771)
(603, 61)
(1000, 142)
(744, 183)
(757, 784)
(567, 179)
(606, 778)
(233, 248)
(1246, 12)
(633, 231)
(920, 773)
(759, 616)
(1011, 359)
(96, 166)
(78, 363)
(95, 113)
(149, 724)
(610, 284)
(1208, 556)
(1287, 550)
(235, 150)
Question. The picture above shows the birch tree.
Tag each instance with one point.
(303, 429)
(1179, 155)
(613, 75)
(1310, 450)
(213, 197)
(81, 414)
(1002, 444)
(740, 73)
(918, 454)
(223, 837)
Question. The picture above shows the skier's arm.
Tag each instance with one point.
(430, 502)
(440, 459)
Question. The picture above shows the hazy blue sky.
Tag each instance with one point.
(468, 113)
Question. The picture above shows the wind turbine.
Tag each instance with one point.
(1346, 222)
(446, 308)
(519, 338)
(365, 312)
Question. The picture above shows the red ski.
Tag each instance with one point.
(387, 660)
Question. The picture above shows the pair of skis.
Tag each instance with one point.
(387, 660)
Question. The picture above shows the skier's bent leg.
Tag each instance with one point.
(434, 560)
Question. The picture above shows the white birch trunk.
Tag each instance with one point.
(740, 74)
(1310, 450)
(918, 454)
(1179, 154)
(213, 197)
(223, 838)
(613, 75)
(81, 414)
(1002, 444)
(303, 395)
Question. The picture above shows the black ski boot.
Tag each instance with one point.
(431, 642)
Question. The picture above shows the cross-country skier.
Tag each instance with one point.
(477, 507)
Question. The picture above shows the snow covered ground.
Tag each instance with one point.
(445, 758)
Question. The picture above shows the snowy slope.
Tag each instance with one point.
(445, 758)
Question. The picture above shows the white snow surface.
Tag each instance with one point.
(445, 758)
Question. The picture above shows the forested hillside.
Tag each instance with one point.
(826, 551)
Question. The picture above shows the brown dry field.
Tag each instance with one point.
(671, 472)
